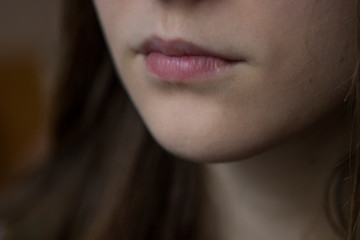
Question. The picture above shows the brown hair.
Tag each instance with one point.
(106, 177)
(354, 163)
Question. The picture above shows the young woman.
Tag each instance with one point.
(201, 119)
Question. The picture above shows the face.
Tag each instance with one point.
(290, 68)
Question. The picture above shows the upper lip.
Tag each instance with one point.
(178, 47)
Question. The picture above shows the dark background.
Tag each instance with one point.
(30, 49)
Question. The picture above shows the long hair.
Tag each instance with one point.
(106, 177)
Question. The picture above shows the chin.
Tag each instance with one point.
(211, 150)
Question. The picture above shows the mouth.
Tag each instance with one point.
(179, 61)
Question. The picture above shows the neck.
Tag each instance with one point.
(278, 194)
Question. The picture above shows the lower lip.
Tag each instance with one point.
(184, 69)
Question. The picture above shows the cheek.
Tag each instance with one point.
(120, 19)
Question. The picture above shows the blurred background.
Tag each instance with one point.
(30, 49)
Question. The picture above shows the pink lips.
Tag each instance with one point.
(178, 61)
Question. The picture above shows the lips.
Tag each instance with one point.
(179, 47)
(179, 61)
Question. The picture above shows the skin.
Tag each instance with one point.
(282, 110)
(299, 56)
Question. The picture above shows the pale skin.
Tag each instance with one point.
(276, 123)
